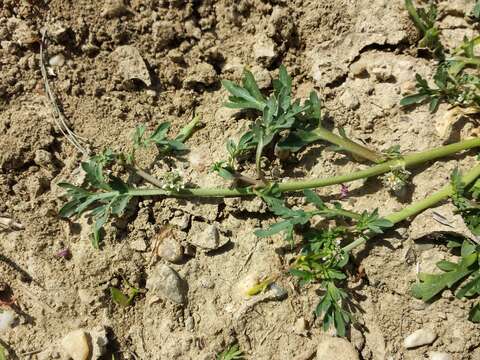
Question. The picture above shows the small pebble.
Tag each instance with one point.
(99, 339)
(208, 239)
(7, 318)
(75, 344)
(114, 8)
(336, 348)
(437, 355)
(349, 100)
(170, 250)
(57, 60)
(419, 338)
(300, 326)
(165, 283)
(138, 245)
(43, 158)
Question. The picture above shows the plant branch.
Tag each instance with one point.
(349, 145)
(290, 186)
(420, 206)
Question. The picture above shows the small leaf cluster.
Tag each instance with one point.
(321, 258)
(120, 298)
(465, 201)
(232, 353)
(456, 79)
(464, 276)
(424, 20)
(159, 138)
(279, 113)
(104, 195)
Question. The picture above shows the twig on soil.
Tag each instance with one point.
(10, 224)
(58, 116)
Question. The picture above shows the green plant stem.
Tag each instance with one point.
(348, 145)
(290, 186)
(412, 11)
(420, 206)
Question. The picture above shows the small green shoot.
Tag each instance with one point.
(3, 354)
(424, 20)
(464, 200)
(259, 288)
(120, 298)
(232, 353)
(456, 80)
(279, 113)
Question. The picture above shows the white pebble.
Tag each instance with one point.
(75, 345)
(419, 338)
(7, 317)
(437, 355)
(57, 60)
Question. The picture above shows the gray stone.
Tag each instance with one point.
(349, 100)
(206, 236)
(203, 74)
(57, 60)
(165, 283)
(419, 338)
(336, 348)
(131, 64)
(99, 341)
(170, 250)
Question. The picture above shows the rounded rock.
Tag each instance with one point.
(437, 355)
(336, 348)
(75, 344)
(419, 338)
(170, 250)
(57, 60)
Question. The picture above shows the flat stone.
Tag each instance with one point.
(336, 348)
(165, 283)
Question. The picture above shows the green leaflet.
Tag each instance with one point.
(466, 271)
(232, 353)
(279, 113)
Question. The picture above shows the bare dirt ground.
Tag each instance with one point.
(358, 54)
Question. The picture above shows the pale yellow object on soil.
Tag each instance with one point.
(75, 345)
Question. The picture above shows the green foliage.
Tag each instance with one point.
(321, 259)
(476, 11)
(424, 20)
(453, 83)
(463, 275)
(279, 113)
(102, 197)
(3, 354)
(469, 210)
(232, 353)
(103, 194)
(120, 298)
(159, 138)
